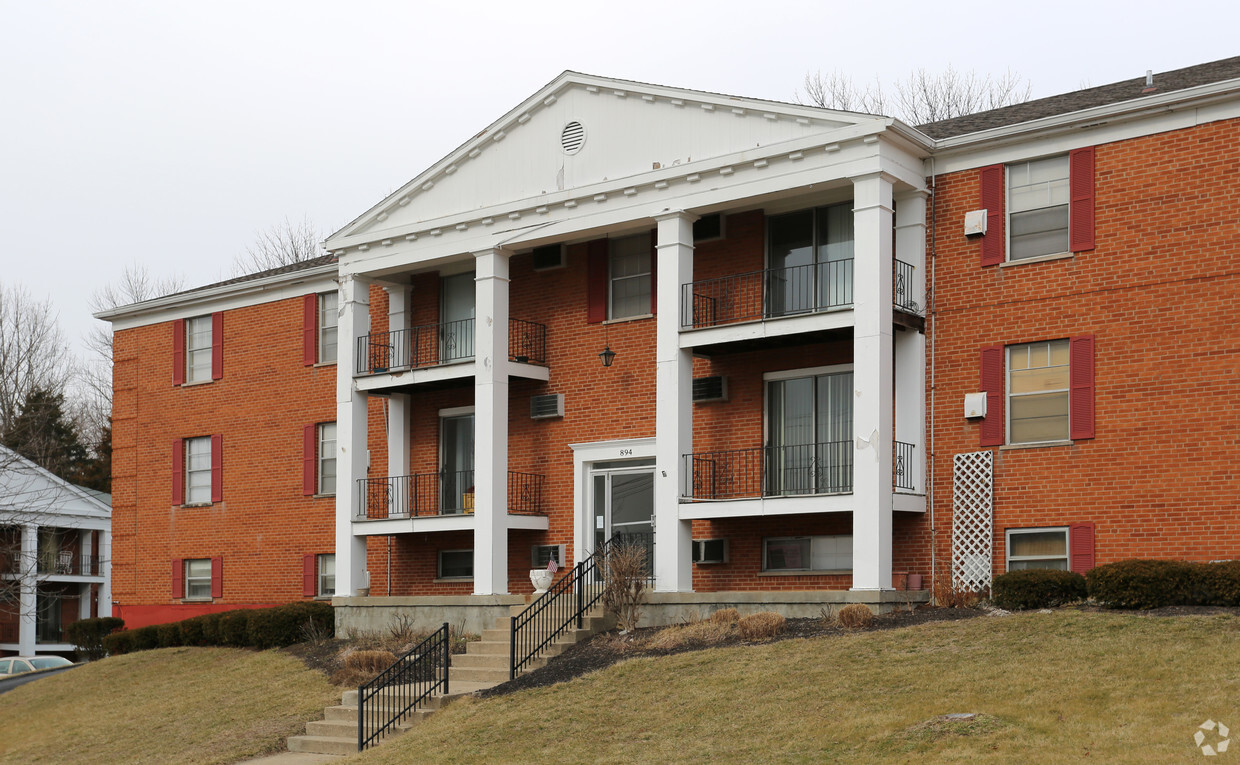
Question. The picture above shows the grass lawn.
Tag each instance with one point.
(174, 705)
(1059, 687)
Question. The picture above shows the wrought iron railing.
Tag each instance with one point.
(446, 343)
(770, 471)
(9, 632)
(903, 295)
(401, 688)
(444, 493)
(564, 605)
(69, 564)
(527, 341)
(767, 294)
(902, 467)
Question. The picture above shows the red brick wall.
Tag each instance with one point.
(1160, 479)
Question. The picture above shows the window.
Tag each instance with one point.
(328, 319)
(1037, 548)
(629, 277)
(198, 336)
(198, 471)
(1037, 387)
(456, 460)
(327, 458)
(823, 553)
(327, 575)
(456, 564)
(198, 579)
(1037, 207)
(809, 431)
(810, 257)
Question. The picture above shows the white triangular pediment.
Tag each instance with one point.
(629, 129)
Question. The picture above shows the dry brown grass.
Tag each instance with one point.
(697, 632)
(726, 616)
(182, 705)
(948, 595)
(361, 666)
(855, 616)
(761, 626)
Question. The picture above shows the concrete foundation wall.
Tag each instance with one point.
(470, 613)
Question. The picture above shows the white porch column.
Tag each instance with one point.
(105, 562)
(398, 319)
(86, 547)
(872, 368)
(910, 345)
(398, 403)
(673, 407)
(491, 423)
(351, 431)
(28, 572)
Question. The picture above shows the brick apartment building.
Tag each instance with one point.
(801, 350)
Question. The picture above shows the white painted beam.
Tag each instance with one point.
(351, 436)
(491, 423)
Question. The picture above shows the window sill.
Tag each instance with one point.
(196, 504)
(623, 319)
(326, 598)
(196, 383)
(1039, 445)
(197, 600)
(318, 364)
(1038, 259)
(323, 496)
(807, 572)
(450, 579)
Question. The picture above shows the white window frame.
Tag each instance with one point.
(455, 578)
(808, 569)
(194, 332)
(1008, 395)
(197, 580)
(325, 581)
(203, 495)
(1008, 211)
(326, 455)
(1009, 558)
(612, 278)
(328, 322)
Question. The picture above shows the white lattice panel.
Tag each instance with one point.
(972, 520)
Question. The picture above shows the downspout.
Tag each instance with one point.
(934, 235)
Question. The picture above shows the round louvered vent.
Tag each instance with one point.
(572, 137)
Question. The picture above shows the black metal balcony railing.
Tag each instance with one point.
(902, 294)
(770, 471)
(446, 343)
(902, 467)
(69, 564)
(766, 294)
(433, 494)
(527, 341)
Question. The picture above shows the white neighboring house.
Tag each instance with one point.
(55, 550)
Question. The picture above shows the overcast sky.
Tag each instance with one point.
(169, 133)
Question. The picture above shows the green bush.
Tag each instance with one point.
(169, 634)
(287, 624)
(244, 628)
(118, 643)
(1147, 583)
(88, 635)
(211, 634)
(1217, 584)
(235, 628)
(1037, 588)
(145, 638)
(192, 631)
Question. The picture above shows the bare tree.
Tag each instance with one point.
(281, 245)
(921, 97)
(33, 352)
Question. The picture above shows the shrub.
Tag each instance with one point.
(285, 625)
(169, 634)
(1037, 588)
(948, 595)
(761, 626)
(191, 631)
(696, 632)
(726, 616)
(624, 583)
(855, 616)
(1142, 584)
(88, 635)
(145, 638)
(234, 628)
(1217, 584)
(211, 634)
(118, 643)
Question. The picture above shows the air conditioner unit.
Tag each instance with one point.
(548, 257)
(710, 551)
(547, 406)
(541, 555)
(710, 389)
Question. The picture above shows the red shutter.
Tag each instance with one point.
(1081, 547)
(309, 577)
(654, 271)
(992, 386)
(178, 352)
(1081, 387)
(217, 577)
(217, 345)
(992, 178)
(178, 471)
(309, 445)
(1081, 190)
(310, 330)
(597, 273)
(217, 468)
(178, 578)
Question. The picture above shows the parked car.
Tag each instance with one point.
(17, 665)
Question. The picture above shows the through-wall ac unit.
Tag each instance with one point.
(710, 389)
(548, 257)
(540, 555)
(710, 551)
(547, 406)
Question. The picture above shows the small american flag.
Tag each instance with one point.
(552, 566)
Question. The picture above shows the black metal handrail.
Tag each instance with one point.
(69, 564)
(902, 467)
(525, 492)
(902, 293)
(443, 493)
(767, 294)
(527, 341)
(565, 603)
(401, 688)
(414, 347)
(770, 471)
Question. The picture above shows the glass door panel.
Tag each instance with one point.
(457, 464)
(456, 330)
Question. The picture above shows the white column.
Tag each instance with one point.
(84, 600)
(910, 345)
(105, 561)
(872, 368)
(351, 432)
(28, 574)
(491, 423)
(673, 408)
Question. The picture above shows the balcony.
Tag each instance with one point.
(451, 342)
(66, 563)
(770, 471)
(446, 500)
(771, 293)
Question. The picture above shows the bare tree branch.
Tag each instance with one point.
(33, 352)
(921, 97)
(281, 245)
